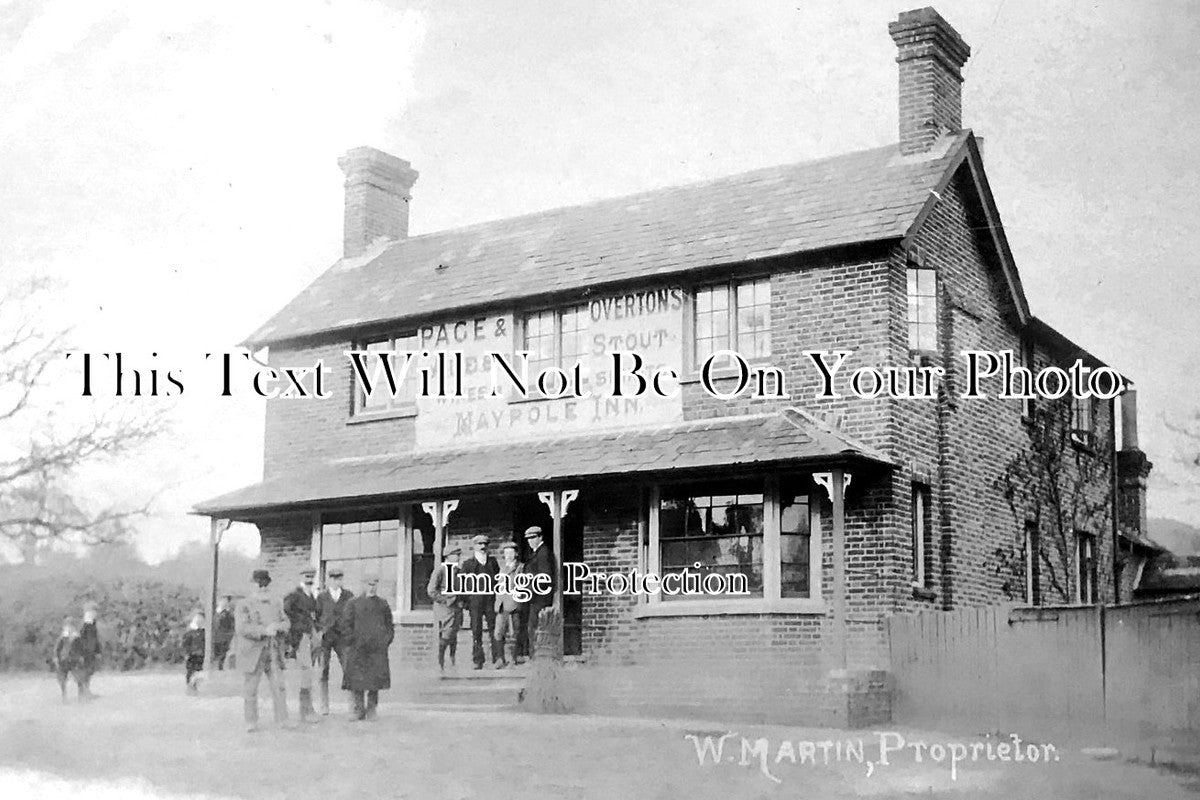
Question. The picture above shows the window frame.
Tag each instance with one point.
(921, 518)
(771, 601)
(521, 343)
(396, 407)
(1031, 545)
(1083, 426)
(1086, 569)
(1029, 362)
(692, 361)
(912, 276)
(320, 550)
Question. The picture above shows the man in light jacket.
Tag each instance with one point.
(508, 610)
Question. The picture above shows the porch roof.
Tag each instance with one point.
(790, 435)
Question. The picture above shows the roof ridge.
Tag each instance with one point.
(642, 193)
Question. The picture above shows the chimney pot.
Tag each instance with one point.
(378, 191)
(931, 57)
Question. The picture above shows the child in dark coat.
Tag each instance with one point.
(68, 658)
(193, 648)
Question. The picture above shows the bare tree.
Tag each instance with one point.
(44, 446)
(1060, 483)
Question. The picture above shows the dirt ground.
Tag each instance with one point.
(143, 738)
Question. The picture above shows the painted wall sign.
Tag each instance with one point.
(649, 323)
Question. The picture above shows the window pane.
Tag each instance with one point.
(380, 396)
(368, 544)
(722, 524)
(574, 336)
(922, 309)
(711, 324)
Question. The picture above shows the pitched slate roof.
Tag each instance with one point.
(791, 435)
(866, 196)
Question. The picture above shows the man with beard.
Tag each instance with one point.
(260, 623)
(331, 605)
(300, 606)
(368, 630)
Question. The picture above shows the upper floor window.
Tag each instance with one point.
(1028, 361)
(381, 397)
(732, 316)
(1083, 420)
(922, 309)
(555, 338)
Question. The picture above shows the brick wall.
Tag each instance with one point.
(958, 448)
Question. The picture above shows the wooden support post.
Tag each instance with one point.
(837, 493)
(557, 501)
(216, 528)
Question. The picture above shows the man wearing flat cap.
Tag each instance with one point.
(368, 629)
(482, 606)
(331, 604)
(540, 562)
(447, 606)
(261, 626)
(300, 606)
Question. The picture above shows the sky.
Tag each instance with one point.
(173, 167)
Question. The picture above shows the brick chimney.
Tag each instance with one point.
(378, 189)
(1133, 470)
(931, 58)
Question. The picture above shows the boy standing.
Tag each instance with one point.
(193, 649)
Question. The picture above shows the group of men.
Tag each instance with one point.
(498, 613)
(77, 652)
(310, 628)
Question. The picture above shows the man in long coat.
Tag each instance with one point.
(447, 606)
(368, 630)
(261, 625)
(331, 605)
(89, 646)
(300, 606)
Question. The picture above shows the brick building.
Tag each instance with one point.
(840, 511)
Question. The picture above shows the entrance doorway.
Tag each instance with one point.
(527, 511)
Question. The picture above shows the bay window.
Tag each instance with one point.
(767, 529)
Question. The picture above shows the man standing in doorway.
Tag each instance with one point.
(540, 562)
(261, 624)
(368, 629)
(300, 606)
(508, 610)
(331, 604)
(482, 607)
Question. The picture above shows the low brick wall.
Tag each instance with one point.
(762, 696)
